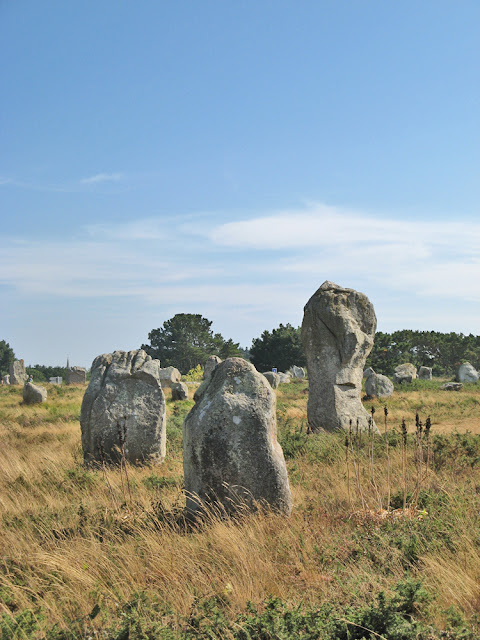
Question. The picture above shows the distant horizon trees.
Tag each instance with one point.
(280, 348)
(7, 357)
(187, 340)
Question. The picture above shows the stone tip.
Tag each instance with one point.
(329, 285)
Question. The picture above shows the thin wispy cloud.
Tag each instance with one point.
(147, 229)
(102, 177)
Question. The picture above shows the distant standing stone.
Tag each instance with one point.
(124, 402)
(466, 373)
(169, 376)
(285, 378)
(273, 378)
(379, 386)
(17, 372)
(452, 386)
(179, 391)
(34, 394)
(425, 373)
(210, 365)
(337, 334)
(297, 372)
(368, 372)
(404, 373)
(6, 379)
(76, 375)
(230, 450)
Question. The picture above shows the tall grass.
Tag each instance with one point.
(72, 539)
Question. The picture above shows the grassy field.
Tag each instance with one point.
(95, 554)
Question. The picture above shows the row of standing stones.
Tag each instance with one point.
(231, 455)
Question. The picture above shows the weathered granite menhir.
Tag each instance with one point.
(17, 372)
(231, 456)
(337, 333)
(124, 405)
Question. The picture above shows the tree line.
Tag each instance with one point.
(187, 340)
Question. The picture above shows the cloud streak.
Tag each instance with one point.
(102, 177)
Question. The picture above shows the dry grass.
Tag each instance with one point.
(71, 538)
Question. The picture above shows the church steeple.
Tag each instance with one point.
(68, 364)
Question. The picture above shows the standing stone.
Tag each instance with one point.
(169, 376)
(273, 378)
(379, 386)
(6, 379)
(210, 365)
(466, 373)
(337, 334)
(425, 373)
(285, 378)
(179, 391)
(230, 450)
(76, 375)
(34, 394)
(404, 373)
(17, 372)
(297, 372)
(124, 402)
(368, 372)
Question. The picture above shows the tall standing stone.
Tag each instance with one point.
(124, 403)
(210, 365)
(337, 333)
(230, 450)
(76, 375)
(17, 372)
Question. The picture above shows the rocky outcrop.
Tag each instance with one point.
(76, 375)
(124, 406)
(17, 372)
(273, 378)
(179, 391)
(379, 386)
(210, 365)
(34, 394)
(230, 450)
(466, 373)
(425, 373)
(337, 334)
(404, 373)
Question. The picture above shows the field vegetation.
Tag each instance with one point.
(103, 554)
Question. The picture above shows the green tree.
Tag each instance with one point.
(280, 348)
(187, 340)
(6, 357)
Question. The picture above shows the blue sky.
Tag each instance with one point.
(227, 157)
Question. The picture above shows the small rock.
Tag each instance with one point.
(34, 394)
(452, 386)
(378, 386)
(169, 376)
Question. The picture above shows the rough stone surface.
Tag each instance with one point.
(210, 365)
(425, 373)
(34, 394)
(297, 372)
(368, 372)
(452, 386)
(337, 334)
(124, 401)
(76, 375)
(6, 379)
(466, 373)
(230, 448)
(285, 378)
(179, 391)
(169, 376)
(404, 373)
(17, 372)
(377, 385)
(273, 378)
